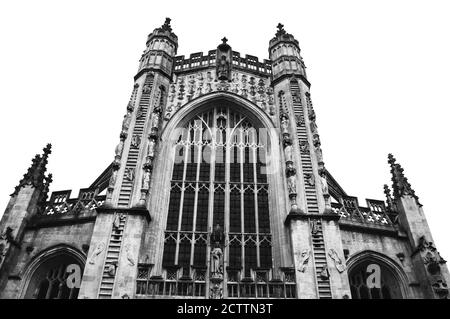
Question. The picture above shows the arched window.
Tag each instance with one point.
(373, 279)
(219, 178)
(50, 279)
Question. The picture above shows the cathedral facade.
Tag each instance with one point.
(217, 189)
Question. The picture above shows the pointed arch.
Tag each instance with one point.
(398, 277)
(58, 257)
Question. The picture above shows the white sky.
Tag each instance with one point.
(379, 72)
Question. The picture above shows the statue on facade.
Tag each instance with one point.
(216, 262)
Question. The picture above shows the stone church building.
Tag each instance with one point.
(218, 189)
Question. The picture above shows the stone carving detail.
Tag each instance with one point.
(440, 288)
(325, 193)
(260, 92)
(119, 150)
(288, 153)
(111, 269)
(223, 60)
(292, 188)
(216, 240)
(304, 147)
(324, 274)
(314, 227)
(216, 263)
(310, 180)
(139, 112)
(112, 181)
(299, 121)
(431, 257)
(146, 89)
(337, 261)
(216, 291)
(98, 250)
(129, 256)
(129, 174)
(7, 239)
(127, 119)
(304, 260)
(135, 141)
(117, 219)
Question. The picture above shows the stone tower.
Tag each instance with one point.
(218, 189)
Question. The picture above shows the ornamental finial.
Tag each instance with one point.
(400, 184)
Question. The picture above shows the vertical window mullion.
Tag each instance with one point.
(241, 161)
(186, 154)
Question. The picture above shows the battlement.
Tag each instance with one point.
(199, 60)
(375, 214)
(61, 203)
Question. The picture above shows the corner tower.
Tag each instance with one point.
(314, 231)
(121, 221)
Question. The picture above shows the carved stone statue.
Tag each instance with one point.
(316, 140)
(223, 68)
(216, 262)
(112, 179)
(216, 292)
(323, 179)
(299, 120)
(116, 222)
(324, 275)
(291, 183)
(304, 147)
(111, 269)
(126, 122)
(146, 179)
(151, 148)
(288, 152)
(311, 114)
(119, 150)
(146, 89)
(208, 88)
(284, 125)
(318, 151)
(313, 127)
(314, 227)
(337, 261)
(155, 120)
(129, 174)
(135, 141)
(310, 179)
(98, 249)
(304, 259)
(129, 256)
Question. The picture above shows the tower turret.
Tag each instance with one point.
(284, 51)
(162, 46)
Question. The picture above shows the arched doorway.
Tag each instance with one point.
(54, 275)
(371, 277)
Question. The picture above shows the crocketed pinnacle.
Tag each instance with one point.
(35, 174)
(400, 184)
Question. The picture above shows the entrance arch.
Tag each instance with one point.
(375, 276)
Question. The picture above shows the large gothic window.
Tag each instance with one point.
(219, 178)
(374, 280)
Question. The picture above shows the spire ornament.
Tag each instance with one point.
(35, 174)
(166, 26)
(400, 184)
(280, 30)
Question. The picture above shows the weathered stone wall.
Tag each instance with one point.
(357, 242)
(37, 241)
